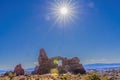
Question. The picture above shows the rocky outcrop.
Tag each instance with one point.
(19, 70)
(69, 65)
(43, 63)
(42, 57)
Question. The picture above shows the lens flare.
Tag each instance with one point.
(64, 11)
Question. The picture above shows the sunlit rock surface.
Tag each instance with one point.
(69, 65)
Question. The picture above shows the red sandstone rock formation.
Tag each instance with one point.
(42, 57)
(19, 70)
(45, 64)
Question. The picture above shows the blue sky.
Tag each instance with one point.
(25, 28)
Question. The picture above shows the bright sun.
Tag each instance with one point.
(63, 10)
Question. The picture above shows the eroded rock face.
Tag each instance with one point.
(42, 57)
(19, 70)
(46, 64)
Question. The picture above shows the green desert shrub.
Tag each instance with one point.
(0, 78)
(11, 75)
(104, 78)
(6, 78)
(65, 77)
(54, 71)
(93, 76)
(78, 74)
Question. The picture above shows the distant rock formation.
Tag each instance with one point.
(42, 57)
(69, 65)
(44, 63)
(19, 70)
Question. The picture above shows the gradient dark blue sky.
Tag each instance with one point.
(25, 27)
